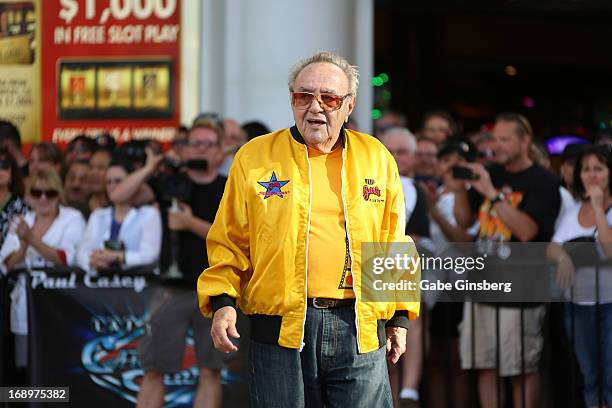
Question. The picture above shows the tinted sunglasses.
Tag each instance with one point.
(329, 102)
(38, 193)
(5, 164)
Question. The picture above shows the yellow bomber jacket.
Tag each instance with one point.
(258, 243)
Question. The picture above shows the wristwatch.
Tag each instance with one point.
(499, 197)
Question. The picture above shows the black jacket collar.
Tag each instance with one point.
(295, 133)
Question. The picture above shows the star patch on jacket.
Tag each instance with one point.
(273, 187)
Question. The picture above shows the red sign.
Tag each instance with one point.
(110, 65)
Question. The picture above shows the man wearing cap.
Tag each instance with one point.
(286, 247)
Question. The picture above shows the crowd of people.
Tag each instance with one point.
(101, 206)
(491, 187)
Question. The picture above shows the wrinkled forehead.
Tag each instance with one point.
(324, 77)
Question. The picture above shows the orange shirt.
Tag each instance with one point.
(329, 265)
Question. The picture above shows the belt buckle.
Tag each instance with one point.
(322, 303)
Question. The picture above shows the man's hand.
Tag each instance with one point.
(181, 220)
(224, 324)
(483, 184)
(396, 343)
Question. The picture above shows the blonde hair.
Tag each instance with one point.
(49, 178)
(351, 71)
(208, 124)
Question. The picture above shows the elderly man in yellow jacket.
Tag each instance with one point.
(285, 247)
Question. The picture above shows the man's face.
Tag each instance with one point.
(234, 135)
(400, 149)
(203, 144)
(98, 163)
(78, 152)
(426, 158)
(508, 145)
(318, 126)
(76, 184)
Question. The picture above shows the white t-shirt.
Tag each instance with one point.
(567, 203)
(64, 234)
(568, 229)
(140, 232)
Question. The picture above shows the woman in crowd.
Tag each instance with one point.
(11, 192)
(120, 235)
(444, 228)
(589, 221)
(45, 155)
(46, 236)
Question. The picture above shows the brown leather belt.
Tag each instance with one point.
(327, 303)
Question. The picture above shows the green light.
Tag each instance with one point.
(602, 125)
(377, 81)
(384, 77)
(376, 114)
(386, 95)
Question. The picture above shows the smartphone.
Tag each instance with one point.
(463, 173)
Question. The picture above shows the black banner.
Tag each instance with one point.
(85, 332)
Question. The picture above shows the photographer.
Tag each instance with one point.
(188, 198)
(514, 201)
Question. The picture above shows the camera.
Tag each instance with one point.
(114, 245)
(463, 173)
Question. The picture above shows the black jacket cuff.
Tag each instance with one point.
(217, 302)
(399, 319)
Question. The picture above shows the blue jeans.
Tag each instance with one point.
(328, 372)
(585, 344)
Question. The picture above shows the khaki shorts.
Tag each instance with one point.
(173, 312)
(485, 336)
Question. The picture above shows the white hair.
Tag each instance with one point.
(402, 133)
(351, 71)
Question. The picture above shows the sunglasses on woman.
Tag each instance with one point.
(38, 193)
(329, 102)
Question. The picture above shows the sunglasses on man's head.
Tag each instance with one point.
(5, 164)
(50, 194)
(329, 102)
